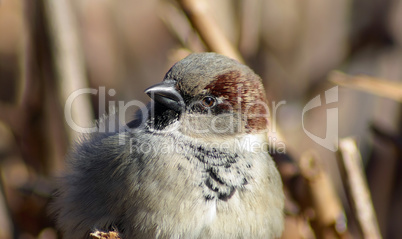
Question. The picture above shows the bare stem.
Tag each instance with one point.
(68, 58)
(213, 37)
(377, 86)
(357, 186)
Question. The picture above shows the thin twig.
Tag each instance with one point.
(377, 86)
(358, 189)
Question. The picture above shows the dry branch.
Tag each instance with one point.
(6, 226)
(377, 86)
(68, 58)
(213, 37)
(180, 27)
(329, 218)
(250, 27)
(350, 162)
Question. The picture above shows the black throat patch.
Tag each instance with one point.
(223, 172)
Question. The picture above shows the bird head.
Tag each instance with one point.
(207, 94)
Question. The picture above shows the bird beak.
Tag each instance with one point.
(166, 94)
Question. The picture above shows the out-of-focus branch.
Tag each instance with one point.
(329, 219)
(350, 162)
(377, 86)
(179, 26)
(383, 134)
(213, 37)
(68, 58)
(6, 226)
(250, 27)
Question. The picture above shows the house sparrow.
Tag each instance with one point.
(194, 165)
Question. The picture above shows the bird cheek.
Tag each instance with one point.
(195, 124)
(200, 125)
(224, 124)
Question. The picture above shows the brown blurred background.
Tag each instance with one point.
(50, 48)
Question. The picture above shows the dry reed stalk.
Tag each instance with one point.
(355, 182)
(213, 37)
(377, 86)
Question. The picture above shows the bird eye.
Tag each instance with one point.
(208, 102)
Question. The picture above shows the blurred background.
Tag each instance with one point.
(49, 49)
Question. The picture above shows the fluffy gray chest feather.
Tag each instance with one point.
(210, 188)
(217, 173)
(169, 189)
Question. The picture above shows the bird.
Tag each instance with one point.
(193, 163)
